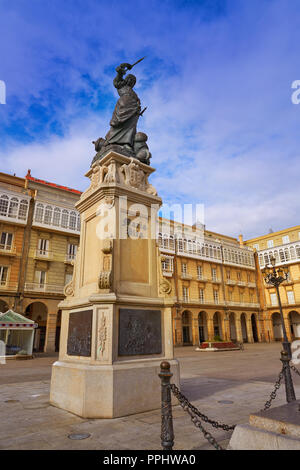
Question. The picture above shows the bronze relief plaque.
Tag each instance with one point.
(139, 332)
(80, 333)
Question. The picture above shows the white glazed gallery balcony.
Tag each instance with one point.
(208, 250)
(41, 287)
(284, 254)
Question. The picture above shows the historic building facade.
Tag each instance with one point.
(39, 238)
(284, 245)
(213, 280)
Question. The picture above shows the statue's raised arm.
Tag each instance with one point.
(121, 71)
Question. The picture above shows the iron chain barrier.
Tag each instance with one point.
(294, 369)
(274, 393)
(167, 431)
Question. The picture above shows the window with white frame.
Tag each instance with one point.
(251, 297)
(167, 264)
(185, 293)
(201, 295)
(239, 276)
(228, 274)
(285, 239)
(241, 297)
(216, 296)
(72, 250)
(230, 295)
(40, 278)
(6, 241)
(183, 268)
(4, 201)
(214, 274)
(270, 243)
(3, 275)
(13, 208)
(256, 246)
(199, 272)
(43, 247)
(273, 298)
(48, 215)
(290, 297)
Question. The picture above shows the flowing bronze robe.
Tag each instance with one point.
(125, 117)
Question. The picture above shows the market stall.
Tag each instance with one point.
(17, 333)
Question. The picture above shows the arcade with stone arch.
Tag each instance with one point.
(194, 325)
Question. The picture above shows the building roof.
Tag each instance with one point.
(13, 319)
(273, 234)
(52, 185)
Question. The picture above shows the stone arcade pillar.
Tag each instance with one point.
(115, 328)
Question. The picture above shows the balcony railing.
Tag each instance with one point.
(70, 258)
(40, 287)
(251, 284)
(186, 276)
(231, 282)
(241, 283)
(167, 272)
(216, 280)
(43, 254)
(9, 250)
(11, 286)
(220, 303)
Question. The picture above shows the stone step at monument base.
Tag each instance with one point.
(274, 429)
(108, 391)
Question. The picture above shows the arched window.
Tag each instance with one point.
(65, 219)
(48, 215)
(13, 207)
(56, 216)
(3, 204)
(39, 213)
(72, 220)
(23, 209)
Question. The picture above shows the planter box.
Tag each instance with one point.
(218, 346)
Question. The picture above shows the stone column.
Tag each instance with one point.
(195, 330)
(238, 328)
(50, 332)
(249, 329)
(210, 327)
(287, 326)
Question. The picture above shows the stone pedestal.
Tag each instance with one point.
(116, 328)
(274, 429)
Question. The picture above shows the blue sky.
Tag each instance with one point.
(217, 78)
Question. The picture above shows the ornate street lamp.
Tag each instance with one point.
(275, 276)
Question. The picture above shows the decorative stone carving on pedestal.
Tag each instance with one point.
(116, 322)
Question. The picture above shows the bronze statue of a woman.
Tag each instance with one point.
(124, 120)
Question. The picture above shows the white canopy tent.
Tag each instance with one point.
(16, 333)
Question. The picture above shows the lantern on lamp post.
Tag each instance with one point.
(274, 277)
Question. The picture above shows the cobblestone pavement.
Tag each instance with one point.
(244, 379)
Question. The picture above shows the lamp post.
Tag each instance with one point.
(275, 276)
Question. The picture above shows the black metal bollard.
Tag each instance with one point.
(289, 386)
(167, 432)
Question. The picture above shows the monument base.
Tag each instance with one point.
(108, 391)
(275, 429)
